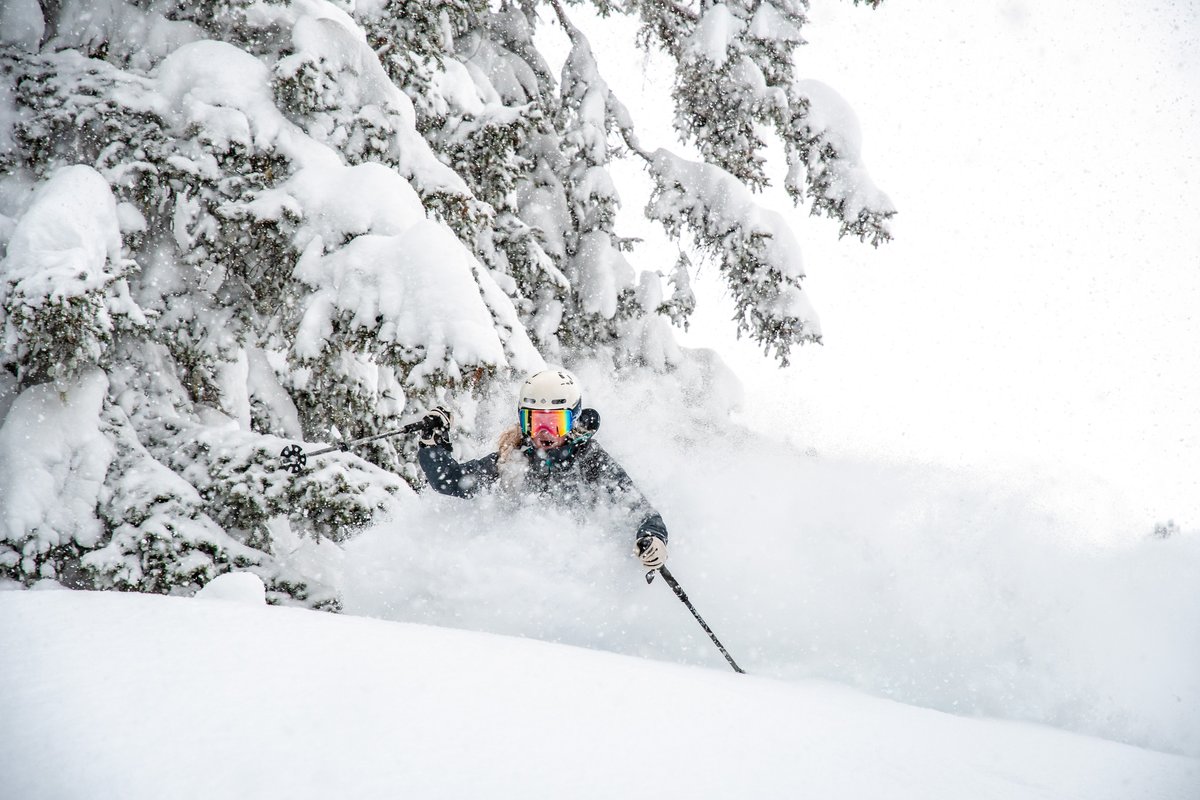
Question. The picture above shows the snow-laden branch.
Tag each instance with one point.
(823, 144)
(757, 253)
(735, 80)
(63, 280)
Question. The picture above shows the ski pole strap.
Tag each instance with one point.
(682, 595)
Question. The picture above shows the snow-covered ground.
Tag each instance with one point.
(109, 695)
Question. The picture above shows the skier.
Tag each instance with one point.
(550, 452)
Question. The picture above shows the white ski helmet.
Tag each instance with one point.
(551, 388)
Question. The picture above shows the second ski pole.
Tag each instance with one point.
(682, 595)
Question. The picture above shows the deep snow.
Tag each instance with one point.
(110, 695)
(966, 595)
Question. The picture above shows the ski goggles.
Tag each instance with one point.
(558, 421)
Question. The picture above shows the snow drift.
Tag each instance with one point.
(138, 696)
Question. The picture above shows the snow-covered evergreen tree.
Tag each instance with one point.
(231, 224)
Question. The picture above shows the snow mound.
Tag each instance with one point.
(237, 587)
(120, 695)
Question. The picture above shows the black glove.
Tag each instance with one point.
(435, 428)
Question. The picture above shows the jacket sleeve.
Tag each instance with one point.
(448, 476)
(602, 470)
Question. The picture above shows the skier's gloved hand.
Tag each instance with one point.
(435, 427)
(652, 551)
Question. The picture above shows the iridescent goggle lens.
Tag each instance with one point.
(556, 420)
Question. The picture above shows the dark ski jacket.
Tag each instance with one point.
(583, 472)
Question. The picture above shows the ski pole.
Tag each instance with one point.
(293, 459)
(682, 595)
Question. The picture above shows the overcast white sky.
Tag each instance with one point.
(1039, 310)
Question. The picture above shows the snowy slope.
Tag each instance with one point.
(112, 695)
